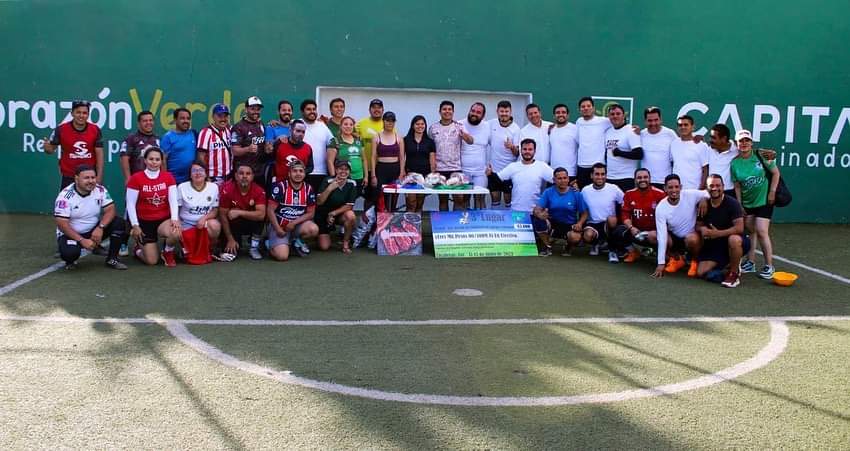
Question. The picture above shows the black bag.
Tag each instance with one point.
(783, 194)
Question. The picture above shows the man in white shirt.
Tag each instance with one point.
(473, 155)
(538, 130)
(675, 223)
(527, 175)
(723, 151)
(623, 149)
(84, 212)
(563, 141)
(690, 158)
(322, 141)
(601, 199)
(591, 140)
(655, 140)
(503, 150)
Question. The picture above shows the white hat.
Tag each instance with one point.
(254, 100)
(741, 134)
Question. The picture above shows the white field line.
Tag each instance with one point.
(779, 335)
(7, 288)
(811, 268)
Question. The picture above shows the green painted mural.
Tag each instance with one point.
(773, 67)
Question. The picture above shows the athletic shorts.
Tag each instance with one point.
(150, 230)
(275, 240)
(717, 250)
(765, 211)
(321, 220)
(497, 185)
(555, 229)
(600, 230)
(477, 180)
(678, 243)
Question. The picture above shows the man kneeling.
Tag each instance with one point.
(722, 231)
(79, 224)
(560, 214)
(290, 212)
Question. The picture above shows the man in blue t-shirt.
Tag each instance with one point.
(180, 146)
(560, 214)
(278, 129)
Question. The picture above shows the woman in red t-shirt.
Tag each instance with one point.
(153, 211)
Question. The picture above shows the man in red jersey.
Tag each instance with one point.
(637, 217)
(81, 141)
(293, 149)
(241, 211)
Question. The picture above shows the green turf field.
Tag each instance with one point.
(72, 383)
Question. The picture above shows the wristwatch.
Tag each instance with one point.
(101, 225)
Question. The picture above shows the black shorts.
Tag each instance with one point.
(321, 220)
(387, 173)
(242, 227)
(623, 184)
(600, 228)
(678, 243)
(583, 176)
(498, 185)
(765, 211)
(150, 230)
(717, 250)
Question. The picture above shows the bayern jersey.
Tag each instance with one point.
(639, 206)
(216, 143)
(292, 203)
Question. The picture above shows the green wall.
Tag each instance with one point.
(779, 54)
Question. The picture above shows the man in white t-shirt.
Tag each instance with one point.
(591, 140)
(601, 199)
(528, 177)
(675, 224)
(690, 158)
(723, 151)
(473, 156)
(563, 141)
(84, 212)
(322, 141)
(623, 149)
(538, 130)
(503, 150)
(655, 140)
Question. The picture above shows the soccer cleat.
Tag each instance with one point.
(732, 280)
(767, 272)
(747, 266)
(255, 254)
(692, 270)
(547, 251)
(301, 246)
(168, 259)
(632, 256)
(114, 263)
(612, 257)
(674, 264)
(594, 250)
(124, 251)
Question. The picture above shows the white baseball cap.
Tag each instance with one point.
(743, 134)
(254, 100)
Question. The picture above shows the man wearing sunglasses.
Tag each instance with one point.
(81, 142)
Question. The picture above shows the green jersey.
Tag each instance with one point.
(752, 176)
(334, 128)
(345, 194)
(353, 154)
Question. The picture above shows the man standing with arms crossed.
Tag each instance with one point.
(503, 150)
(81, 142)
(563, 141)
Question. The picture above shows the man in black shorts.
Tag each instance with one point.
(722, 231)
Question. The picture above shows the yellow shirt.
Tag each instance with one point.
(367, 129)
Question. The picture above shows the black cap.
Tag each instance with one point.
(376, 102)
(389, 116)
(341, 163)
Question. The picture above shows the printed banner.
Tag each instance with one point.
(482, 233)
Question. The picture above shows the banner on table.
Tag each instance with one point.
(399, 233)
(483, 233)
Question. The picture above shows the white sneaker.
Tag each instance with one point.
(301, 246)
(767, 272)
(594, 250)
(613, 258)
(255, 254)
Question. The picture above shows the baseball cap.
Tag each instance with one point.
(743, 134)
(389, 116)
(374, 102)
(341, 163)
(78, 103)
(220, 108)
(254, 101)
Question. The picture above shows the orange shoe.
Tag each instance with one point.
(674, 264)
(692, 271)
(632, 256)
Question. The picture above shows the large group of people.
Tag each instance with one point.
(599, 181)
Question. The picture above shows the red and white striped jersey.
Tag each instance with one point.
(216, 143)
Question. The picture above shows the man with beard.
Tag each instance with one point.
(637, 217)
(292, 150)
(214, 144)
(655, 140)
(601, 199)
(278, 129)
(503, 150)
(448, 135)
(591, 140)
(290, 212)
(675, 222)
(248, 139)
(527, 176)
(690, 158)
(623, 149)
(84, 213)
(560, 214)
(473, 155)
(563, 140)
(538, 130)
(722, 231)
(81, 142)
(321, 141)
(241, 211)
(180, 146)
(131, 148)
